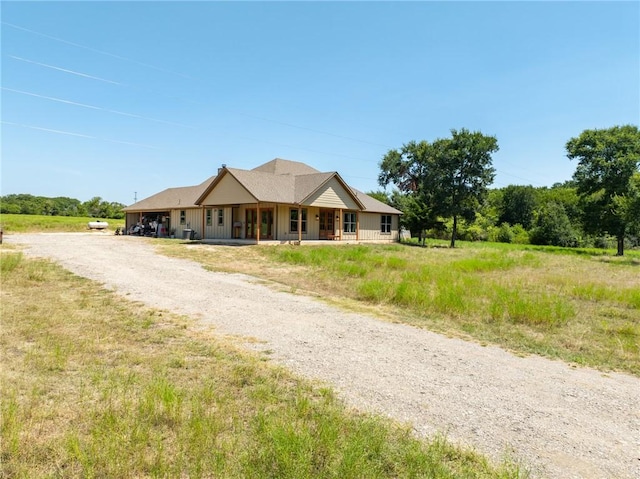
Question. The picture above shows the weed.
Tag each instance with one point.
(9, 262)
(105, 395)
(525, 298)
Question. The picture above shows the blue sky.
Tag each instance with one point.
(116, 99)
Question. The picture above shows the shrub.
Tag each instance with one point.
(520, 235)
(552, 227)
(504, 234)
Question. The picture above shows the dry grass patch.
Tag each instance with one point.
(95, 386)
(579, 308)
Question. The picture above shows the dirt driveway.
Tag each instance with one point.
(561, 421)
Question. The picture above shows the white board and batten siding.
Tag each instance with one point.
(333, 195)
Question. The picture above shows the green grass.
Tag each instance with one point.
(524, 299)
(95, 386)
(632, 255)
(581, 308)
(41, 223)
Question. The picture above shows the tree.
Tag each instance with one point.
(628, 205)
(607, 162)
(447, 178)
(518, 205)
(417, 217)
(405, 168)
(381, 196)
(552, 227)
(462, 175)
(565, 194)
(92, 207)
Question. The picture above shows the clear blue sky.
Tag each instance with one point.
(111, 98)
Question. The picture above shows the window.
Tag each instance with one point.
(183, 217)
(293, 223)
(349, 222)
(385, 223)
(220, 217)
(209, 217)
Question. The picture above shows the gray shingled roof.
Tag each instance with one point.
(307, 184)
(277, 181)
(374, 206)
(279, 166)
(171, 198)
(268, 187)
(281, 188)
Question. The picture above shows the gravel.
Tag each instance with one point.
(557, 420)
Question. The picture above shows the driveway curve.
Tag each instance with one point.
(559, 421)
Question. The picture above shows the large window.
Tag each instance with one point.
(209, 222)
(293, 220)
(385, 223)
(220, 217)
(183, 217)
(349, 222)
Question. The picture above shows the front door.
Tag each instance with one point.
(327, 229)
(265, 224)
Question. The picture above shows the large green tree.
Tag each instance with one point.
(518, 206)
(406, 169)
(628, 206)
(608, 159)
(447, 178)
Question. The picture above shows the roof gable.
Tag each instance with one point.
(226, 190)
(326, 190)
(288, 182)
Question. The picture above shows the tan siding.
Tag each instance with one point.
(332, 195)
(313, 225)
(228, 192)
(242, 219)
(370, 228)
(132, 219)
(216, 231)
(193, 221)
(283, 224)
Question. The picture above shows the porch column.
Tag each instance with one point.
(258, 222)
(357, 226)
(204, 224)
(339, 224)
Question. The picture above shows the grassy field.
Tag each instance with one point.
(580, 306)
(40, 223)
(95, 386)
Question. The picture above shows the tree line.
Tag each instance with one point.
(442, 187)
(26, 204)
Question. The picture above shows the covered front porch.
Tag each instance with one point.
(291, 223)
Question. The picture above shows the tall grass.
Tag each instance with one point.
(554, 302)
(93, 386)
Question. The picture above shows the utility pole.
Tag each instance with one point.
(135, 196)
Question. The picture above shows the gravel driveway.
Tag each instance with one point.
(562, 422)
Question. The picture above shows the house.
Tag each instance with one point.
(174, 208)
(280, 200)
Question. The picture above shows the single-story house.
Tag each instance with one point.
(280, 200)
(172, 210)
